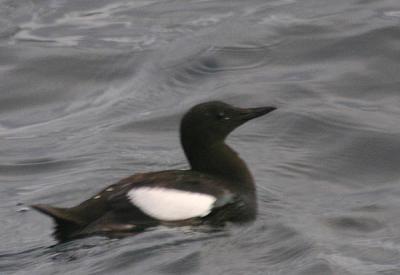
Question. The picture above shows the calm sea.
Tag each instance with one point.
(93, 91)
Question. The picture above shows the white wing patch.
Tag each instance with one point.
(171, 204)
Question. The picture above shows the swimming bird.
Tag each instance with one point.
(217, 188)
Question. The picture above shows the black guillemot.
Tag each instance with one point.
(216, 189)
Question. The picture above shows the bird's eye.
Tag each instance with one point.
(222, 116)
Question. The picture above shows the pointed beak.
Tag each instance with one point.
(251, 113)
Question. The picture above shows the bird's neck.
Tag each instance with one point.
(218, 159)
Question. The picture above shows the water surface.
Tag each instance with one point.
(92, 91)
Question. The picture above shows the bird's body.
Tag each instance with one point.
(218, 187)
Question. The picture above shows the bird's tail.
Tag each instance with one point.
(66, 223)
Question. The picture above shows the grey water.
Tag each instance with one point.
(93, 91)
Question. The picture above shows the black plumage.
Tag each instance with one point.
(215, 170)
